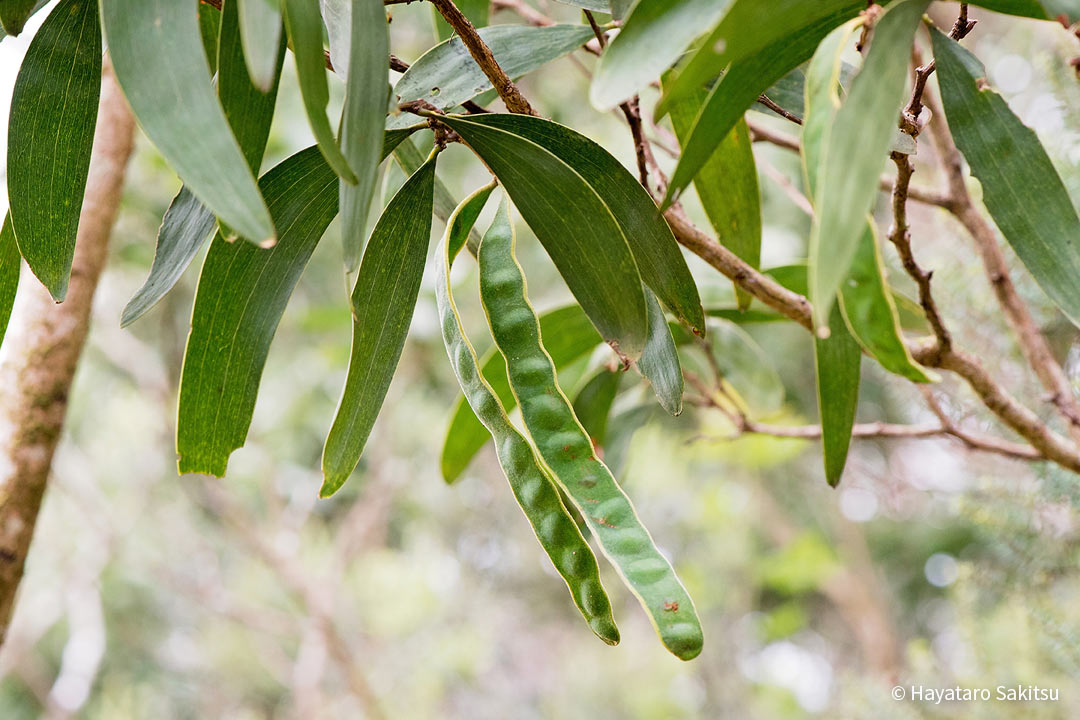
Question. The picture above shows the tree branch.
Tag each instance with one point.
(481, 53)
(45, 342)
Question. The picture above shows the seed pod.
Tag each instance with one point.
(567, 451)
(537, 496)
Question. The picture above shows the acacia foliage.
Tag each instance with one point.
(202, 79)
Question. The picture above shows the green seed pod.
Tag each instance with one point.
(566, 450)
(537, 496)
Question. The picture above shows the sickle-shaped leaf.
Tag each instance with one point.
(655, 250)
(575, 226)
(210, 29)
(659, 361)
(409, 158)
(750, 27)
(14, 14)
(159, 61)
(535, 493)
(866, 302)
(51, 132)
(867, 117)
(383, 300)
(362, 120)
(738, 89)
(304, 26)
(10, 263)
(653, 37)
(837, 360)
(867, 305)
(446, 75)
(567, 451)
(188, 224)
(569, 336)
(260, 36)
(243, 291)
(727, 186)
(1021, 188)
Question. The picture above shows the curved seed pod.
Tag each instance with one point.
(538, 498)
(567, 451)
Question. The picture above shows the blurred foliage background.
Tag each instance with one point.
(156, 596)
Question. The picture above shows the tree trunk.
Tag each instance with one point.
(43, 345)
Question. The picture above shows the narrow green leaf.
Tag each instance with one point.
(446, 75)
(655, 250)
(570, 336)
(836, 364)
(409, 158)
(248, 108)
(593, 402)
(243, 291)
(15, 13)
(304, 26)
(188, 224)
(362, 120)
(210, 29)
(10, 263)
(659, 361)
(478, 12)
(186, 227)
(736, 91)
(751, 28)
(849, 180)
(463, 219)
(337, 16)
(727, 185)
(575, 226)
(51, 132)
(650, 41)
(837, 358)
(866, 301)
(383, 301)
(867, 305)
(1021, 189)
(158, 59)
(568, 452)
(537, 496)
(260, 38)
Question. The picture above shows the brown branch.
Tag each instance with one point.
(1033, 344)
(779, 110)
(481, 53)
(791, 304)
(900, 237)
(45, 342)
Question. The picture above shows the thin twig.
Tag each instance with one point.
(481, 53)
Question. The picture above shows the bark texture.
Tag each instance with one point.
(43, 344)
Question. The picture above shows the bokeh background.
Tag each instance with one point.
(150, 595)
